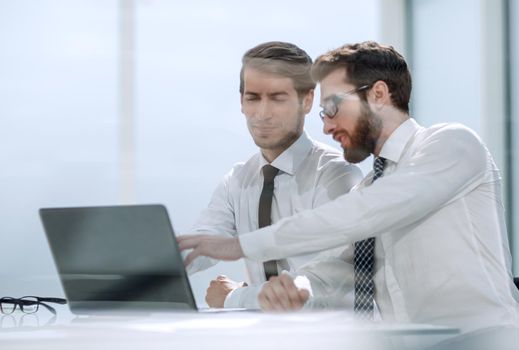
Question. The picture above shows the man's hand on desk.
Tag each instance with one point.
(219, 289)
(216, 247)
(281, 294)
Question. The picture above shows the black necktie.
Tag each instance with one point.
(264, 212)
(363, 263)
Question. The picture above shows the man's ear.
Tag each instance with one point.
(308, 101)
(241, 102)
(379, 94)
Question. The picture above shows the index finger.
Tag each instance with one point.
(188, 241)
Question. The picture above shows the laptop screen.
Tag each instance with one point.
(117, 258)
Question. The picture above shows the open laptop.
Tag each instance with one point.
(118, 258)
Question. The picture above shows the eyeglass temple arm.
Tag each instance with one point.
(48, 307)
(53, 300)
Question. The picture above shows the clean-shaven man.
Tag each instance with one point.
(276, 93)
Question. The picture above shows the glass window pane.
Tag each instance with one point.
(58, 124)
(446, 62)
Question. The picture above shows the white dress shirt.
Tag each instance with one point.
(442, 254)
(310, 175)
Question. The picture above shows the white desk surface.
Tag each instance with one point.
(223, 330)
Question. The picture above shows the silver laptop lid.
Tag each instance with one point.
(117, 258)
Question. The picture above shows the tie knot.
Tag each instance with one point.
(378, 167)
(269, 173)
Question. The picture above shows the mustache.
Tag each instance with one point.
(262, 124)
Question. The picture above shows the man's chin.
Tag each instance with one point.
(356, 156)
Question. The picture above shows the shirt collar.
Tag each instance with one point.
(397, 141)
(292, 157)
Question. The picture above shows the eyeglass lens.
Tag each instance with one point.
(7, 305)
(27, 305)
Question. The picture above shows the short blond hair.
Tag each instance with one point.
(283, 59)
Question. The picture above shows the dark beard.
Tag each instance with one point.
(365, 136)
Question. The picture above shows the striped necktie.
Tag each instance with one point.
(363, 264)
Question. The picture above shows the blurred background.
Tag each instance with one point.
(136, 101)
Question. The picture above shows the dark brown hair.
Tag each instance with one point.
(365, 64)
(281, 58)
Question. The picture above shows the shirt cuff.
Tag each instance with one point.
(243, 297)
(199, 264)
(232, 299)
